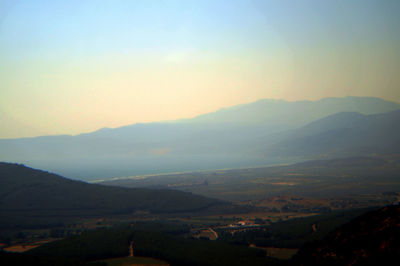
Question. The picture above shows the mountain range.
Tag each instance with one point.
(261, 133)
(343, 134)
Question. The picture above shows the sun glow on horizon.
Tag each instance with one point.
(73, 67)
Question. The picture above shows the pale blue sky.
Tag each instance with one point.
(76, 66)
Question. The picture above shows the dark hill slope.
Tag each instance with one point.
(371, 239)
(30, 192)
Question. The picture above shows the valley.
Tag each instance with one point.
(199, 133)
(272, 211)
(262, 133)
(313, 186)
(236, 187)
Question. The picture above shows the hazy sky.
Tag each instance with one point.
(68, 67)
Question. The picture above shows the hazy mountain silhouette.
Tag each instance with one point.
(245, 135)
(343, 134)
(293, 114)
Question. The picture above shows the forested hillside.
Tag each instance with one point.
(26, 193)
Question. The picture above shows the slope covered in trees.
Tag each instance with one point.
(27, 193)
(371, 239)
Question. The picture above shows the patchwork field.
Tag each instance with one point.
(317, 186)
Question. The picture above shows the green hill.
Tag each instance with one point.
(26, 194)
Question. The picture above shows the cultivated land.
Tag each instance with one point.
(310, 187)
(267, 212)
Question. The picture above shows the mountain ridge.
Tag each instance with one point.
(348, 132)
(390, 105)
(245, 140)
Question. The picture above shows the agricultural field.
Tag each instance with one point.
(310, 187)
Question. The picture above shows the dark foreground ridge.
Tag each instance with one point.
(371, 239)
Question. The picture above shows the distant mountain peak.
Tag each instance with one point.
(280, 111)
(237, 136)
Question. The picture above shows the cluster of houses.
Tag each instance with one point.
(244, 223)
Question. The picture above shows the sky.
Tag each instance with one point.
(69, 67)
